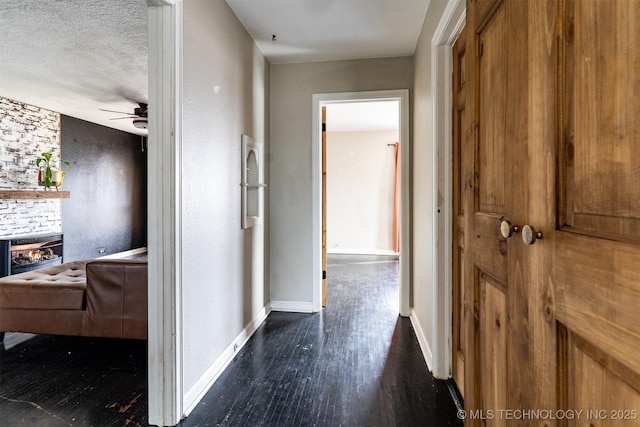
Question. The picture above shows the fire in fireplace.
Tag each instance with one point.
(31, 256)
(27, 253)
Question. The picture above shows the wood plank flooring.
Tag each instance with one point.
(355, 364)
(72, 381)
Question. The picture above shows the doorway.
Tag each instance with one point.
(402, 98)
(362, 143)
(361, 185)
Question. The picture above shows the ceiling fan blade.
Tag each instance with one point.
(113, 111)
(120, 118)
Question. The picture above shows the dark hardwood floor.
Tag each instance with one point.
(72, 381)
(355, 364)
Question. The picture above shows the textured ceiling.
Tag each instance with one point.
(75, 56)
(79, 56)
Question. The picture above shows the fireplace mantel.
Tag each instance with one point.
(33, 194)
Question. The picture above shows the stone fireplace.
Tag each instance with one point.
(25, 132)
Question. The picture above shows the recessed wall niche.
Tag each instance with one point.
(251, 185)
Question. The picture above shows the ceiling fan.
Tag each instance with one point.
(139, 115)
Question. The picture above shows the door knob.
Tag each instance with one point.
(507, 229)
(530, 235)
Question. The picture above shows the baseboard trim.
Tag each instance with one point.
(361, 252)
(202, 386)
(292, 306)
(422, 340)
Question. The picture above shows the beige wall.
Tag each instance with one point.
(225, 94)
(292, 87)
(424, 244)
(360, 191)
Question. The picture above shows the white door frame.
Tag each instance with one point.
(405, 215)
(446, 33)
(164, 359)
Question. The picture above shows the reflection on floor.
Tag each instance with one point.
(357, 363)
(12, 339)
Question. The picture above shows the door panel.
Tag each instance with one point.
(492, 101)
(604, 389)
(460, 315)
(602, 166)
(598, 293)
(493, 351)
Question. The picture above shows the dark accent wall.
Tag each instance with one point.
(107, 210)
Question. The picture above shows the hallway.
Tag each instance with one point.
(356, 364)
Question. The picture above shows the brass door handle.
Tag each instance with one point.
(530, 235)
(507, 229)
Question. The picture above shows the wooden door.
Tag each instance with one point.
(494, 180)
(553, 133)
(324, 206)
(459, 309)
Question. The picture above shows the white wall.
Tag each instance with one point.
(424, 206)
(292, 87)
(360, 191)
(225, 94)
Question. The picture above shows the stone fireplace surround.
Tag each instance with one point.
(25, 132)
